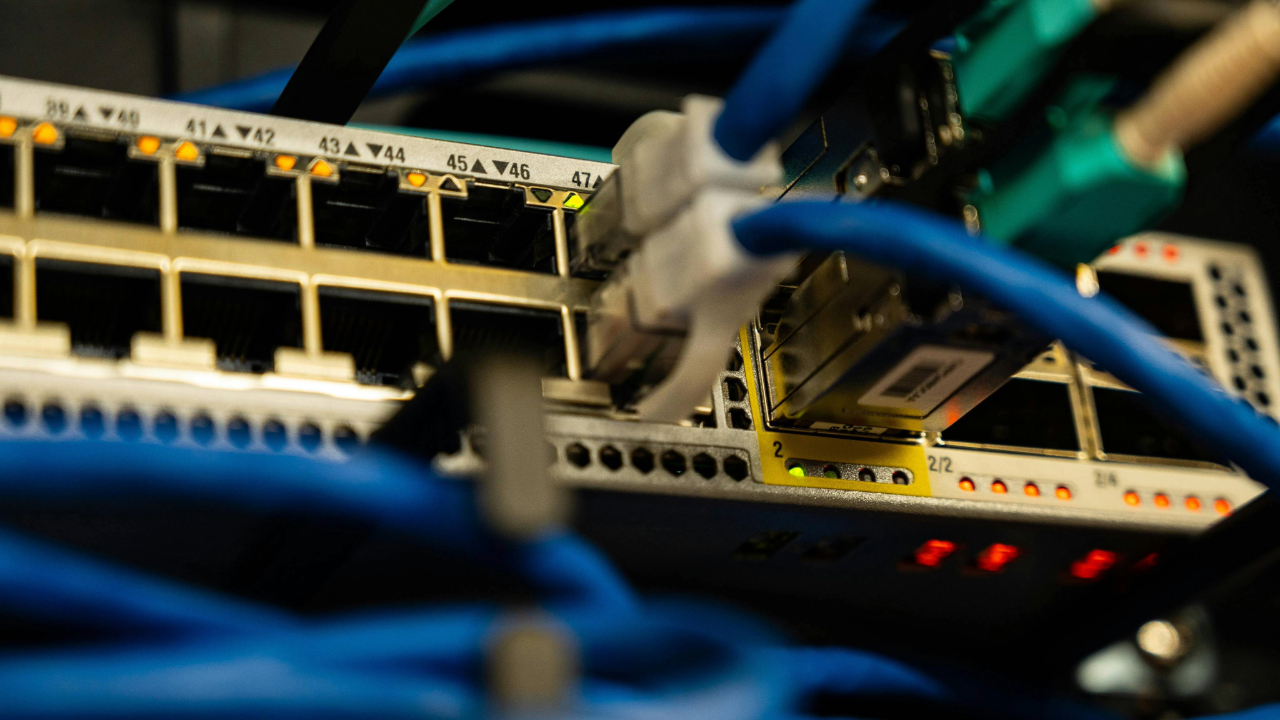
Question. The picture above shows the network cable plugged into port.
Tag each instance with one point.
(895, 346)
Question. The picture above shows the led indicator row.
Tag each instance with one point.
(994, 558)
(1222, 506)
(1030, 489)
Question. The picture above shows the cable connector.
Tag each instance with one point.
(661, 328)
(665, 160)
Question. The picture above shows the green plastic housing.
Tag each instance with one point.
(1076, 196)
(1008, 48)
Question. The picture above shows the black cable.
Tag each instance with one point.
(345, 60)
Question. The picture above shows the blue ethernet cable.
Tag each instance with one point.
(1102, 329)
(772, 91)
(464, 53)
(376, 486)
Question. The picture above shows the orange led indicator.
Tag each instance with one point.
(148, 145)
(1193, 503)
(1093, 564)
(8, 126)
(1161, 500)
(44, 134)
(996, 557)
(1170, 253)
(187, 152)
(966, 484)
(1031, 489)
(286, 162)
(1115, 250)
(998, 487)
(319, 168)
(1222, 506)
(1131, 499)
(416, 179)
(933, 552)
(1140, 249)
(1062, 492)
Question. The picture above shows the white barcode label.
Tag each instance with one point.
(926, 377)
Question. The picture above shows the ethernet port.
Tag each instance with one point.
(103, 305)
(233, 194)
(366, 210)
(481, 328)
(385, 333)
(246, 319)
(6, 286)
(1022, 413)
(494, 227)
(6, 176)
(94, 176)
(1129, 425)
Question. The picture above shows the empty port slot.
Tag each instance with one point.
(95, 177)
(1130, 426)
(366, 210)
(246, 319)
(235, 195)
(1168, 305)
(479, 328)
(764, 545)
(6, 286)
(6, 176)
(386, 334)
(493, 227)
(103, 305)
(1022, 413)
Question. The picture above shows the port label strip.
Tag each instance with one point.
(30, 100)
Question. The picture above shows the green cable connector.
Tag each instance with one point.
(1076, 195)
(1008, 48)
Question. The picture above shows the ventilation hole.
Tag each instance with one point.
(578, 455)
(1262, 398)
(275, 435)
(735, 390)
(55, 420)
(202, 429)
(1215, 272)
(1239, 382)
(15, 411)
(831, 472)
(129, 424)
(1245, 317)
(238, 432)
(1233, 356)
(866, 475)
(705, 465)
(1257, 371)
(1221, 301)
(642, 460)
(735, 362)
(740, 419)
(1228, 329)
(1251, 344)
(346, 439)
(91, 422)
(309, 437)
(1238, 289)
(610, 457)
(900, 478)
(735, 467)
(165, 427)
(674, 463)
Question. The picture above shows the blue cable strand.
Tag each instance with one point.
(464, 53)
(1100, 328)
(774, 88)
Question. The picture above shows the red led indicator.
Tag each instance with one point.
(1094, 564)
(1115, 249)
(1140, 249)
(966, 484)
(998, 487)
(933, 552)
(996, 557)
(1170, 253)
(1146, 563)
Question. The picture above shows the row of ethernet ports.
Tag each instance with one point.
(231, 192)
(387, 334)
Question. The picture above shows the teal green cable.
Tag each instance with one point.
(545, 147)
(431, 10)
